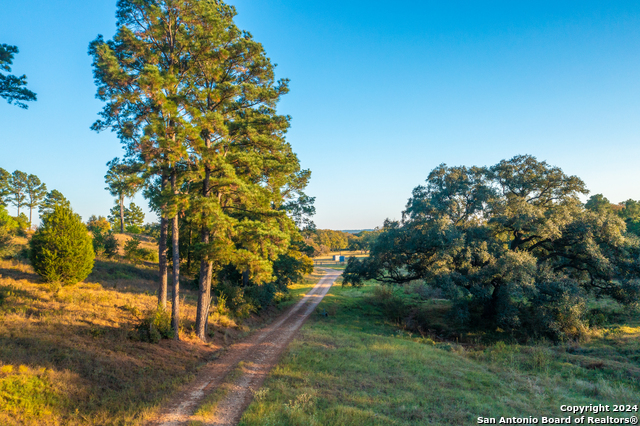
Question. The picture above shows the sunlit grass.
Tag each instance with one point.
(66, 353)
(355, 366)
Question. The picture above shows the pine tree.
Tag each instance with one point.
(12, 88)
(5, 176)
(193, 99)
(61, 249)
(53, 199)
(142, 75)
(134, 216)
(122, 181)
(247, 168)
(17, 188)
(36, 191)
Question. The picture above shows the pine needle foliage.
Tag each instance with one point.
(62, 249)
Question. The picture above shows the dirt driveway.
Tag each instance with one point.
(260, 352)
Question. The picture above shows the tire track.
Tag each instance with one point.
(260, 352)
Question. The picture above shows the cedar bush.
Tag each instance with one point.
(62, 249)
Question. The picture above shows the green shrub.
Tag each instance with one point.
(155, 326)
(61, 249)
(235, 300)
(8, 227)
(558, 311)
(104, 242)
(149, 254)
(98, 240)
(134, 253)
(99, 223)
(133, 229)
(152, 230)
(110, 244)
(6, 248)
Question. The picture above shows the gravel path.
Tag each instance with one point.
(260, 352)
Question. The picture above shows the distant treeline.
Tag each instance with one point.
(629, 210)
(325, 240)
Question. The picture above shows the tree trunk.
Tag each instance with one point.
(162, 251)
(204, 295)
(189, 248)
(175, 296)
(206, 272)
(162, 262)
(122, 213)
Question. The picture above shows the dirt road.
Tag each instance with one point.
(260, 353)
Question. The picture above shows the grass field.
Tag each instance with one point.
(355, 367)
(66, 356)
(326, 260)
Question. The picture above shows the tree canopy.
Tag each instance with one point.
(507, 243)
(193, 98)
(53, 199)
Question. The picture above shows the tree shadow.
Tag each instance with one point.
(105, 375)
(18, 271)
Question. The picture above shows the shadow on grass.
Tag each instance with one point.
(19, 271)
(127, 277)
(105, 375)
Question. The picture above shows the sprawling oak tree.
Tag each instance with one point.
(511, 244)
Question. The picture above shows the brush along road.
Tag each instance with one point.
(260, 353)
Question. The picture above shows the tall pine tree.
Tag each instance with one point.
(194, 100)
(36, 191)
(143, 76)
(122, 181)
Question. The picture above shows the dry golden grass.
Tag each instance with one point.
(66, 356)
(146, 242)
(346, 253)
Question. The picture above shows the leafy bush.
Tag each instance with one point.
(98, 223)
(155, 326)
(558, 311)
(136, 254)
(6, 248)
(149, 254)
(133, 229)
(110, 244)
(61, 249)
(132, 250)
(23, 224)
(234, 299)
(261, 296)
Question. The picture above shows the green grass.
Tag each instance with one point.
(355, 367)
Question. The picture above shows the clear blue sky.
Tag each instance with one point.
(381, 93)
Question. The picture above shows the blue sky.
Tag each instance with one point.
(381, 93)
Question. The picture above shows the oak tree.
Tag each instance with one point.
(511, 244)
